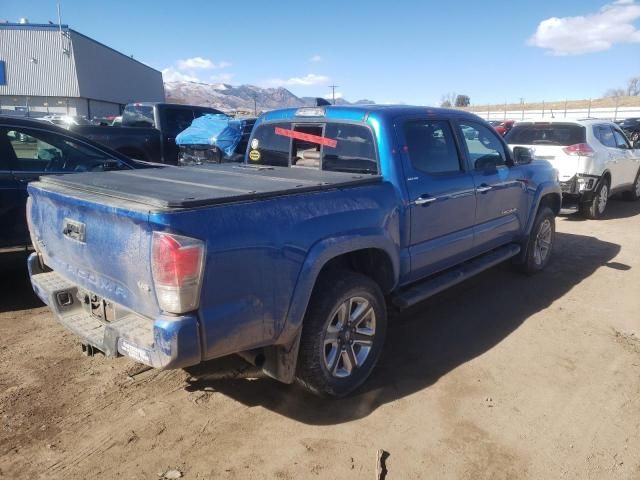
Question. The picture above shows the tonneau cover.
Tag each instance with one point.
(183, 187)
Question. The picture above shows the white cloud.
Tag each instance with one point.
(307, 80)
(195, 63)
(595, 32)
(316, 59)
(172, 75)
(190, 69)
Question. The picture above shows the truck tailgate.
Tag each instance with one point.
(101, 244)
(183, 187)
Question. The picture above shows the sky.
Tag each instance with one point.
(397, 51)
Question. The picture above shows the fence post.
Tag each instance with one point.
(565, 108)
(488, 112)
(543, 109)
(615, 115)
(522, 105)
(589, 111)
(505, 110)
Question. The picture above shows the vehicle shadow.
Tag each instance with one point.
(617, 208)
(15, 288)
(426, 342)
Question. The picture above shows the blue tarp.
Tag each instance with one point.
(219, 130)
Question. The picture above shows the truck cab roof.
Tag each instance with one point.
(360, 113)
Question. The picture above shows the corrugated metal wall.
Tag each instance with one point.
(108, 75)
(36, 64)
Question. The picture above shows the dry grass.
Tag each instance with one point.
(560, 105)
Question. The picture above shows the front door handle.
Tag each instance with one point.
(424, 200)
(483, 188)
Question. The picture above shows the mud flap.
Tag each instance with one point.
(280, 361)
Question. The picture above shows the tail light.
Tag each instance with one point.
(177, 263)
(582, 149)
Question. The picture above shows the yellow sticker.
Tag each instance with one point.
(254, 155)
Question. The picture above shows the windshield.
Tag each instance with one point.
(558, 134)
(333, 146)
(138, 116)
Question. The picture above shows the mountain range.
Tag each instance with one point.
(241, 97)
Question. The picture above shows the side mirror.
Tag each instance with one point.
(522, 155)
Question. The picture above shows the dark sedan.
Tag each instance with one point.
(30, 149)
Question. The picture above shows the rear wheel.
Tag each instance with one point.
(595, 208)
(634, 193)
(540, 243)
(342, 335)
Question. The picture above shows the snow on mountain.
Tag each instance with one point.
(229, 97)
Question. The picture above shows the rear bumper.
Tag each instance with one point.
(163, 342)
(579, 189)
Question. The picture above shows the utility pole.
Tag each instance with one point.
(255, 103)
(333, 92)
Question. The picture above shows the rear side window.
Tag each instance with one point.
(604, 134)
(559, 134)
(177, 120)
(431, 146)
(138, 116)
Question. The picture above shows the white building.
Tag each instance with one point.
(50, 68)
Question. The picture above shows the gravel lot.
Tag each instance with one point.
(504, 376)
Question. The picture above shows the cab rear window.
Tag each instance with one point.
(333, 146)
(559, 134)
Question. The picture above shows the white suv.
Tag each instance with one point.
(594, 159)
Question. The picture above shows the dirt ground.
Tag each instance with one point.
(504, 376)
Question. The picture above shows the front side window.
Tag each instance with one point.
(483, 146)
(621, 140)
(41, 151)
(431, 146)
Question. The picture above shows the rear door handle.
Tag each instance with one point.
(483, 188)
(424, 200)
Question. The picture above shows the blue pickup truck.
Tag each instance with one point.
(293, 258)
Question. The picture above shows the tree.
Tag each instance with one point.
(463, 101)
(633, 87)
(447, 100)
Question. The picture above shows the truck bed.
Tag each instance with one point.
(186, 187)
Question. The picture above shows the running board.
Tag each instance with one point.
(426, 288)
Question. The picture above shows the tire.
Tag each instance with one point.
(540, 243)
(633, 194)
(335, 360)
(596, 208)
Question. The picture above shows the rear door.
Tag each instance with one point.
(500, 195)
(175, 119)
(616, 158)
(441, 193)
(11, 214)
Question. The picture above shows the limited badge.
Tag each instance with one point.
(255, 143)
(254, 155)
